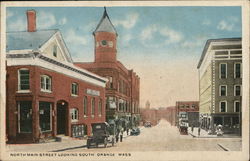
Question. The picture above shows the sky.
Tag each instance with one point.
(161, 44)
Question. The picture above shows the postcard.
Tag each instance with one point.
(116, 80)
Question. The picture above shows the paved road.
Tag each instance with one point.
(162, 137)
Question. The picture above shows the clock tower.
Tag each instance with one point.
(105, 40)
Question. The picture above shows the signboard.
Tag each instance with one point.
(93, 92)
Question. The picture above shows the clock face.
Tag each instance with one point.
(104, 42)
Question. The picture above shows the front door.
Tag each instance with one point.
(61, 118)
(25, 117)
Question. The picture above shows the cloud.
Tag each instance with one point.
(224, 25)
(62, 21)
(9, 14)
(206, 22)
(73, 38)
(18, 25)
(168, 34)
(45, 20)
(129, 21)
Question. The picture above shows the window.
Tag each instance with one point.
(237, 106)
(93, 107)
(45, 83)
(24, 79)
(193, 106)
(111, 82)
(45, 116)
(187, 106)
(223, 106)
(100, 107)
(55, 51)
(237, 90)
(223, 70)
(74, 89)
(74, 114)
(85, 106)
(237, 70)
(223, 90)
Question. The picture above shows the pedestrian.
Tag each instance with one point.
(127, 130)
(117, 135)
(199, 131)
(121, 135)
(192, 128)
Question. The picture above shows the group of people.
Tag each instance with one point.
(119, 132)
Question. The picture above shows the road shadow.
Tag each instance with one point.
(72, 148)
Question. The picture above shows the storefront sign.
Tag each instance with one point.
(93, 92)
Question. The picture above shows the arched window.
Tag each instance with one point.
(93, 107)
(100, 107)
(45, 83)
(85, 106)
(74, 114)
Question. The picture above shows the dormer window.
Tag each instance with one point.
(55, 51)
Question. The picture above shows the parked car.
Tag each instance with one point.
(101, 135)
(147, 124)
(135, 131)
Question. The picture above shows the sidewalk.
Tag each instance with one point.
(204, 134)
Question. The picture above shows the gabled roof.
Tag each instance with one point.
(28, 40)
(105, 24)
(208, 44)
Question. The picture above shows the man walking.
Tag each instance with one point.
(121, 135)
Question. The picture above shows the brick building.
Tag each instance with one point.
(171, 115)
(47, 94)
(149, 115)
(220, 76)
(189, 111)
(123, 87)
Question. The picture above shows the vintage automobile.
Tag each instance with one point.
(135, 131)
(102, 134)
(183, 128)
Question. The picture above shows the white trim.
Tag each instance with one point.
(41, 63)
(235, 89)
(220, 105)
(220, 70)
(19, 81)
(50, 82)
(235, 106)
(220, 90)
(240, 69)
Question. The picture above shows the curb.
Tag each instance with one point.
(224, 148)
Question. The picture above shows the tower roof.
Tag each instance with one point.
(105, 25)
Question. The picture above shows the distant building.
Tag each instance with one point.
(149, 115)
(220, 79)
(171, 115)
(147, 105)
(47, 94)
(123, 87)
(189, 111)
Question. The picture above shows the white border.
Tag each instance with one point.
(159, 155)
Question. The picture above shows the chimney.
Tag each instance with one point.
(31, 20)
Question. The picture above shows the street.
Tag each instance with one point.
(162, 137)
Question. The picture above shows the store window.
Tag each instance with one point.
(74, 114)
(85, 106)
(45, 116)
(237, 70)
(45, 83)
(25, 117)
(93, 107)
(23, 79)
(223, 90)
(237, 90)
(74, 89)
(223, 106)
(223, 70)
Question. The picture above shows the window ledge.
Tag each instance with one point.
(23, 91)
(100, 115)
(92, 116)
(85, 116)
(74, 95)
(73, 121)
(46, 91)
